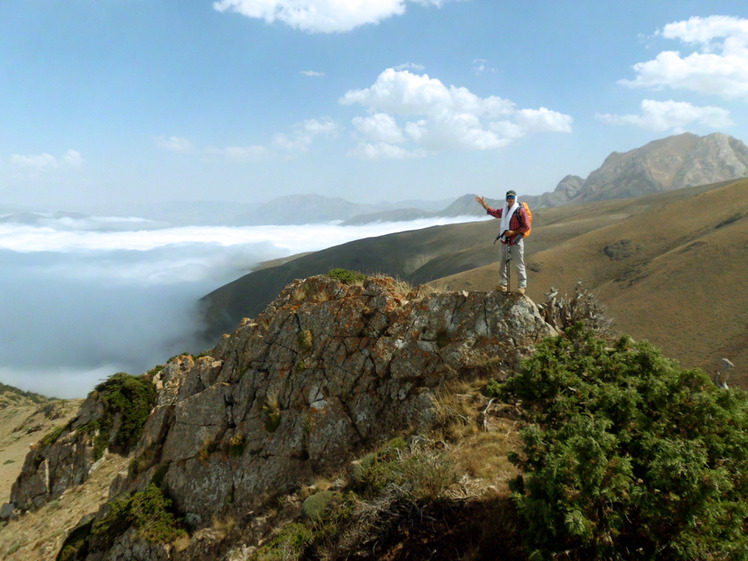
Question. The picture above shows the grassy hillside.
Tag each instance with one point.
(671, 268)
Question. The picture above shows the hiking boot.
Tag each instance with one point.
(501, 288)
(521, 291)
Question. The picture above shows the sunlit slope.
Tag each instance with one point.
(673, 272)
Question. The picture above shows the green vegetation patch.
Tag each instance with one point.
(149, 511)
(52, 436)
(627, 456)
(347, 277)
(419, 476)
(290, 543)
(130, 396)
(315, 505)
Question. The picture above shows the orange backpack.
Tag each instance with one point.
(529, 216)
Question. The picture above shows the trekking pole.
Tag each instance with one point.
(508, 267)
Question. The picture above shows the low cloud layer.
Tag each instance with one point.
(81, 302)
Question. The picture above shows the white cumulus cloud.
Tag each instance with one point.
(73, 158)
(671, 115)
(238, 153)
(380, 126)
(717, 65)
(304, 134)
(44, 162)
(481, 66)
(312, 73)
(174, 143)
(320, 16)
(419, 113)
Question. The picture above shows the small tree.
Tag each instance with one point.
(627, 456)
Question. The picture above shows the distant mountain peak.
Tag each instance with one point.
(674, 162)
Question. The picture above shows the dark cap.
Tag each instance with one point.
(511, 194)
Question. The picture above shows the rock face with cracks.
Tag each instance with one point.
(327, 371)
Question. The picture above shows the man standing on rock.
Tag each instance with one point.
(514, 224)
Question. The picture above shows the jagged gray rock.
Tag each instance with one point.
(325, 373)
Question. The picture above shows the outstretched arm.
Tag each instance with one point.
(482, 202)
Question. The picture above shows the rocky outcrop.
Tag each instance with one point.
(325, 373)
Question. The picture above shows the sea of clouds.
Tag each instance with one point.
(85, 297)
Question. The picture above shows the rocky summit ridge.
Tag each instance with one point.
(327, 372)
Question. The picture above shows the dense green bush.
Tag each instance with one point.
(130, 396)
(347, 277)
(628, 456)
(149, 511)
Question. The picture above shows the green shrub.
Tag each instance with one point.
(149, 511)
(289, 544)
(347, 277)
(314, 506)
(493, 388)
(627, 455)
(52, 436)
(132, 397)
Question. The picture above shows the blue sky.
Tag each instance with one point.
(123, 101)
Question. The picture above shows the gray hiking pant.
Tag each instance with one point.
(518, 259)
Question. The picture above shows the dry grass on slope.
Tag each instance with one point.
(673, 272)
(22, 423)
(38, 535)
